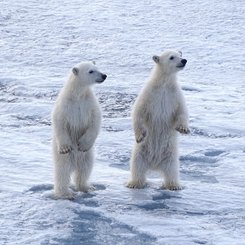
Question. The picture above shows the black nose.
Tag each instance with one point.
(104, 76)
(183, 61)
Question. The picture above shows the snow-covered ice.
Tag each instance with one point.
(41, 40)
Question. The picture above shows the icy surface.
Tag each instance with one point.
(41, 40)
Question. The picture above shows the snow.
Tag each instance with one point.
(39, 43)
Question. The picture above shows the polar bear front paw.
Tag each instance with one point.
(183, 129)
(64, 149)
(141, 136)
(83, 148)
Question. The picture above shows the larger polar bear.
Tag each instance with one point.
(158, 113)
(76, 123)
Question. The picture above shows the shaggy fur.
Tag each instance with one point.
(158, 113)
(76, 123)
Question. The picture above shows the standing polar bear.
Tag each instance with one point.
(158, 113)
(76, 123)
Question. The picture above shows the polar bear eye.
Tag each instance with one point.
(91, 71)
(171, 57)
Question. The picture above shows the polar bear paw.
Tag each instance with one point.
(82, 148)
(183, 129)
(64, 149)
(86, 188)
(172, 187)
(70, 195)
(141, 136)
(135, 184)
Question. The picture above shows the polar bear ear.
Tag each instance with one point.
(75, 71)
(94, 62)
(156, 58)
(180, 53)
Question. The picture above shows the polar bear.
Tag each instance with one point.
(158, 113)
(76, 120)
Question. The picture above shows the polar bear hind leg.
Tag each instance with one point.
(62, 177)
(83, 170)
(170, 171)
(138, 169)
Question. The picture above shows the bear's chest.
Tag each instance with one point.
(79, 115)
(163, 104)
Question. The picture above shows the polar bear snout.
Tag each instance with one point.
(182, 63)
(104, 76)
(102, 79)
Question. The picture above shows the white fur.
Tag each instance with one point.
(158, 113)
(76, 123)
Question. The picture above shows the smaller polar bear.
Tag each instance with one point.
(76, 123)
(158, 113)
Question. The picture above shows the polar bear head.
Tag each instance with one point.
(170, 61)
(87, 73)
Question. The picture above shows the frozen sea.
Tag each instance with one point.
(39, 43)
